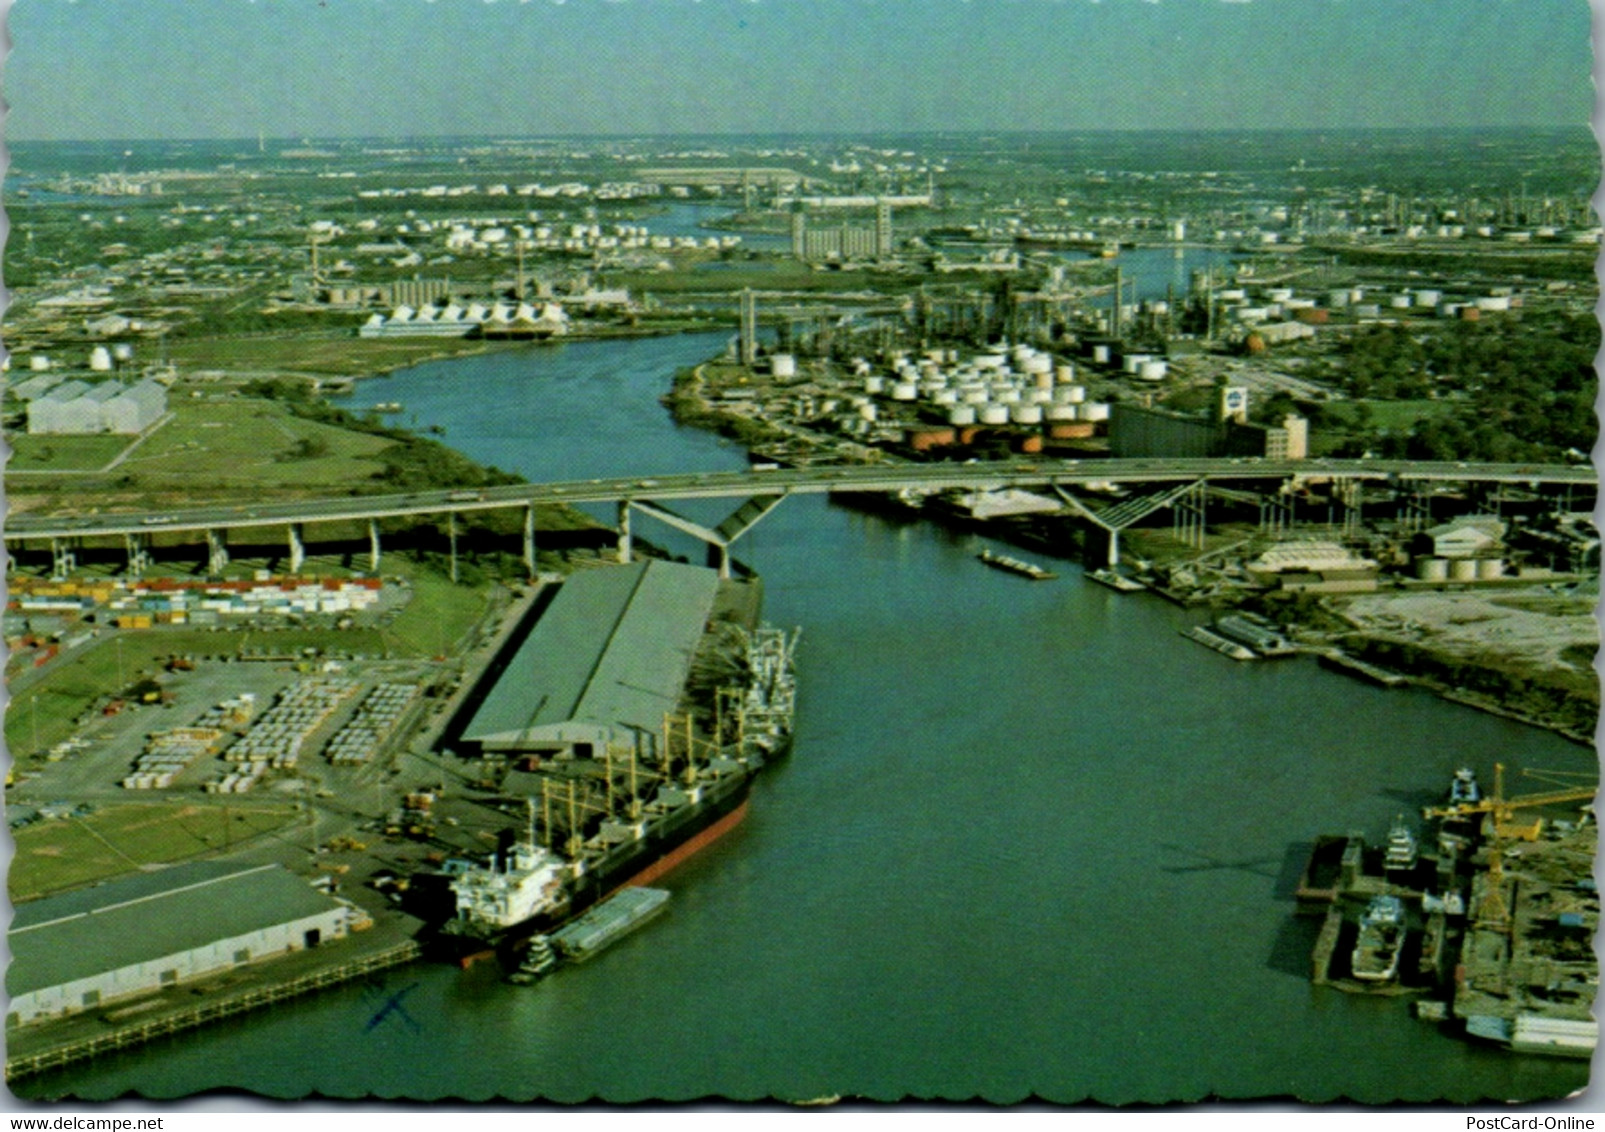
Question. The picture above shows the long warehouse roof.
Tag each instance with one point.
(60, 939)
(614, 648)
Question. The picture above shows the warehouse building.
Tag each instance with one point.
(607, 660)
(77, 408)
(82, 950)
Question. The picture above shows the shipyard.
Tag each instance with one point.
(611, 615)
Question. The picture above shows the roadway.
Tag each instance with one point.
(788, 481)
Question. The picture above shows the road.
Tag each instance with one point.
(787, 481)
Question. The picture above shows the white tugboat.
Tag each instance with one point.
(1400, 855)
(1376, 951)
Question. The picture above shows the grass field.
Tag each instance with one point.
(327, 357)
(64, 453)
(439, 615)
(1391, 415)
(255, 443)
(56, 855)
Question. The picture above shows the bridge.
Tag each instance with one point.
(1178, 483)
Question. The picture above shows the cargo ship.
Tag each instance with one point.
(1016, 566)
(527, 887)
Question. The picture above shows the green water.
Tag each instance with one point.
(1030, 841)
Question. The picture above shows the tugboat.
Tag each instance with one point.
(1463, 788)
(538, 962)
(1376, 952)
(1400, 856)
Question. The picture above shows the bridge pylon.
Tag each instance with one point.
(216, 553)
(63, 559)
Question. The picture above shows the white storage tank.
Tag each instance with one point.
(868, 411)
(1231, 295)
(1432, 569)
(1490, 568)
(1071, 394)
(100, 359)
(1006, 394)
(1026, 414)
(1062, 412)
(1463, 570)
(39, 363)
(989, 361)
(783, 365)
(123, 352)
(1337, 299)
(1131, 362)
(1064, 374)
(1366, 310)
(1279, 294)
(1401, 302)
(1095, 411)
(1428, 298)
(945, 396)
(961, 415)
(905, 391)
(874, 384)
(1040, 396)
(974, 396)
(1100, 354)
(994, 414)
(1152, 371)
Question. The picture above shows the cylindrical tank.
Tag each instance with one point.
(1151, 371)
(994, 413)
(1062, 412)
(1064, 374)
(1100, 354)
(868, 411)
(988, 361)
(100, 359)
(783, 365)
(945, 396)
(1072, 394)
(973, 396)
(961, 415)
(874, 383)
(1030, 444)
(1039, 396)
(1095, 411)
(1132, 362)
(1007, 394)
(905, 391)
(1025, 413)
(1366, 310)
(39, 363)
(1401, 302)
(1426, 298)
(123, 352)
(1488, 568)
(1070, 430)
(1432, 569)
(1338, 299)
(1231, 295)
(1463, 570)
(1279, 294)
(1037, 363)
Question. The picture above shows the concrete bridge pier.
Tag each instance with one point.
(298, 550)
(139, 559)
(625, 546)
(451, 534)
(529, 539)
(373, 546)
(63, 559)
(216, 553)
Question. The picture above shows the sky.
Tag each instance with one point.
(94, 69)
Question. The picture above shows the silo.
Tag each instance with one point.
(1432, 569)
(1463, 570)
(1490, 568)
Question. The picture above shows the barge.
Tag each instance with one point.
(1115, 580)
(1213, 640)
(1016, 566)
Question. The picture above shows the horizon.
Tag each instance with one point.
(719, 68)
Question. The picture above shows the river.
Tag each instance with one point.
(1030, 841)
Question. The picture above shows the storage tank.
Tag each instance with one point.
(39, 363)
(1463, 570)
(989, 361)
(100, 359)
(1100, 354)
(1132, 362)
(1432, 569)
(1071, 394)
(1490, 568)
(945, 396)
(972, 395)
(1401, 302)
(1428, 298)
(783, 365)
(874, 384)
(1279, 294)
(123, 352)
(1062, 412)
(1231, 295)
(1006, 394)
(905, 391)
(1025, 413)
(1095, 411)
(961, 415)
(994, 413)
(1367, 310)
(1152, 371)
(1064, 374)
(1337, 299)
(1039, 396)
(868, 411)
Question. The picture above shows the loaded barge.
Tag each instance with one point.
(1019, 566)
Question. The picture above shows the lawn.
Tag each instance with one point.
(1391, 415)
(437, 618)
(55, 855)
(64, 453)
(328, 357)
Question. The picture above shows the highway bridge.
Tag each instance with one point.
(1166, 482)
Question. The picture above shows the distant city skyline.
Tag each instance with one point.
(107, 69)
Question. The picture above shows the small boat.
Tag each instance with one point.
(1115, 580)
(538, 962)
(388, 407)
(1400, 855)
(1016, 566)
(1463, 788)
(1375, 958)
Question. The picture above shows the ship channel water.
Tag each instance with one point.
(1030, 841)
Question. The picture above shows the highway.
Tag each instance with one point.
(786, 481)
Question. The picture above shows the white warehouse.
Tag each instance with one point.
(75, 407)
(81, 950)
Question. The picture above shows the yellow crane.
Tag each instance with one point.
(1492, 911)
